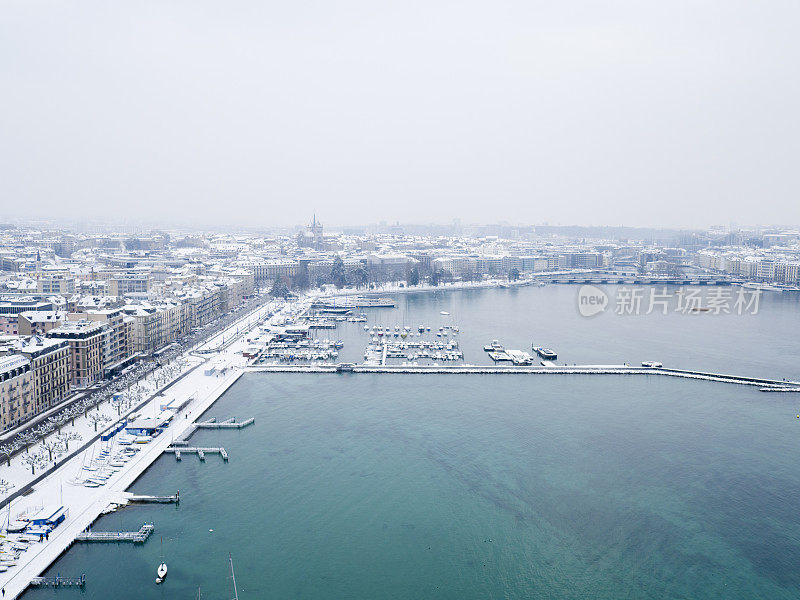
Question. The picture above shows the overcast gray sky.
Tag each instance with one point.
(671, 113)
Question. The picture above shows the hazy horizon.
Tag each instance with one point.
(643, 114)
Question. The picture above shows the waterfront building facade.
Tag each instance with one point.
(50, 365)
(87, 341)
(16, 391)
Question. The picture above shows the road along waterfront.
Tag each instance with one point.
(86, 504)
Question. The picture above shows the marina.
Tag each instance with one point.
(413, 350)
(300, 350)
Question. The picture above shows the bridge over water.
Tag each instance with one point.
(608, 279)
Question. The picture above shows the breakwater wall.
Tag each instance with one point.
(527, 370)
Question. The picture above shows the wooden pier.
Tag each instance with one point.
(59, 581)
(137, 537)
(227, 424)
(201, 452)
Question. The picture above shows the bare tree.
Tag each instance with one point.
(56, 421)
(73, 411)
(32, 460)
(7, 450)
(95, 418)
(70, 436)
(50, 446)
(26, 439)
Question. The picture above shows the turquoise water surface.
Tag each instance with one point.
(485, 486)
(473, 487)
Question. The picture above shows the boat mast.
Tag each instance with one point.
(233, 578)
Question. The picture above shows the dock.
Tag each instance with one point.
(227, 424)
(143, 499)
(137, 537)
(201, 452)
(59, 581)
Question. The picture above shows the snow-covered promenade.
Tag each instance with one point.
(86, 504)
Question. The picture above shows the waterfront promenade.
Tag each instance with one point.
(85, 505)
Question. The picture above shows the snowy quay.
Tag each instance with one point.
(763, 384)
(202, 380)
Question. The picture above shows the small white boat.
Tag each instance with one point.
(162, 572)
(162, 568)
(444, 312)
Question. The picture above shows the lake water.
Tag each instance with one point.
(437, 486)
(763, 344)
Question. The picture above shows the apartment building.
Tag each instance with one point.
(274, 269)
(55, 284)
(50, 364)
(16, 391)
(157, 324)
(129, 284)
(39, 322)
(9, 325)
(118, 338)
(87, 349)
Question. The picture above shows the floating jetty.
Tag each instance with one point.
(137, 537)
(227, 424)
(201, 452)
(59, 581)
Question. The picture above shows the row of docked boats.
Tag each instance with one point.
(289, 355)
(304, 349)
(425, 344)
(451, 355)
(12, 545)
(337, 317)
(414, 350)
(98, 470)
(407, 331)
